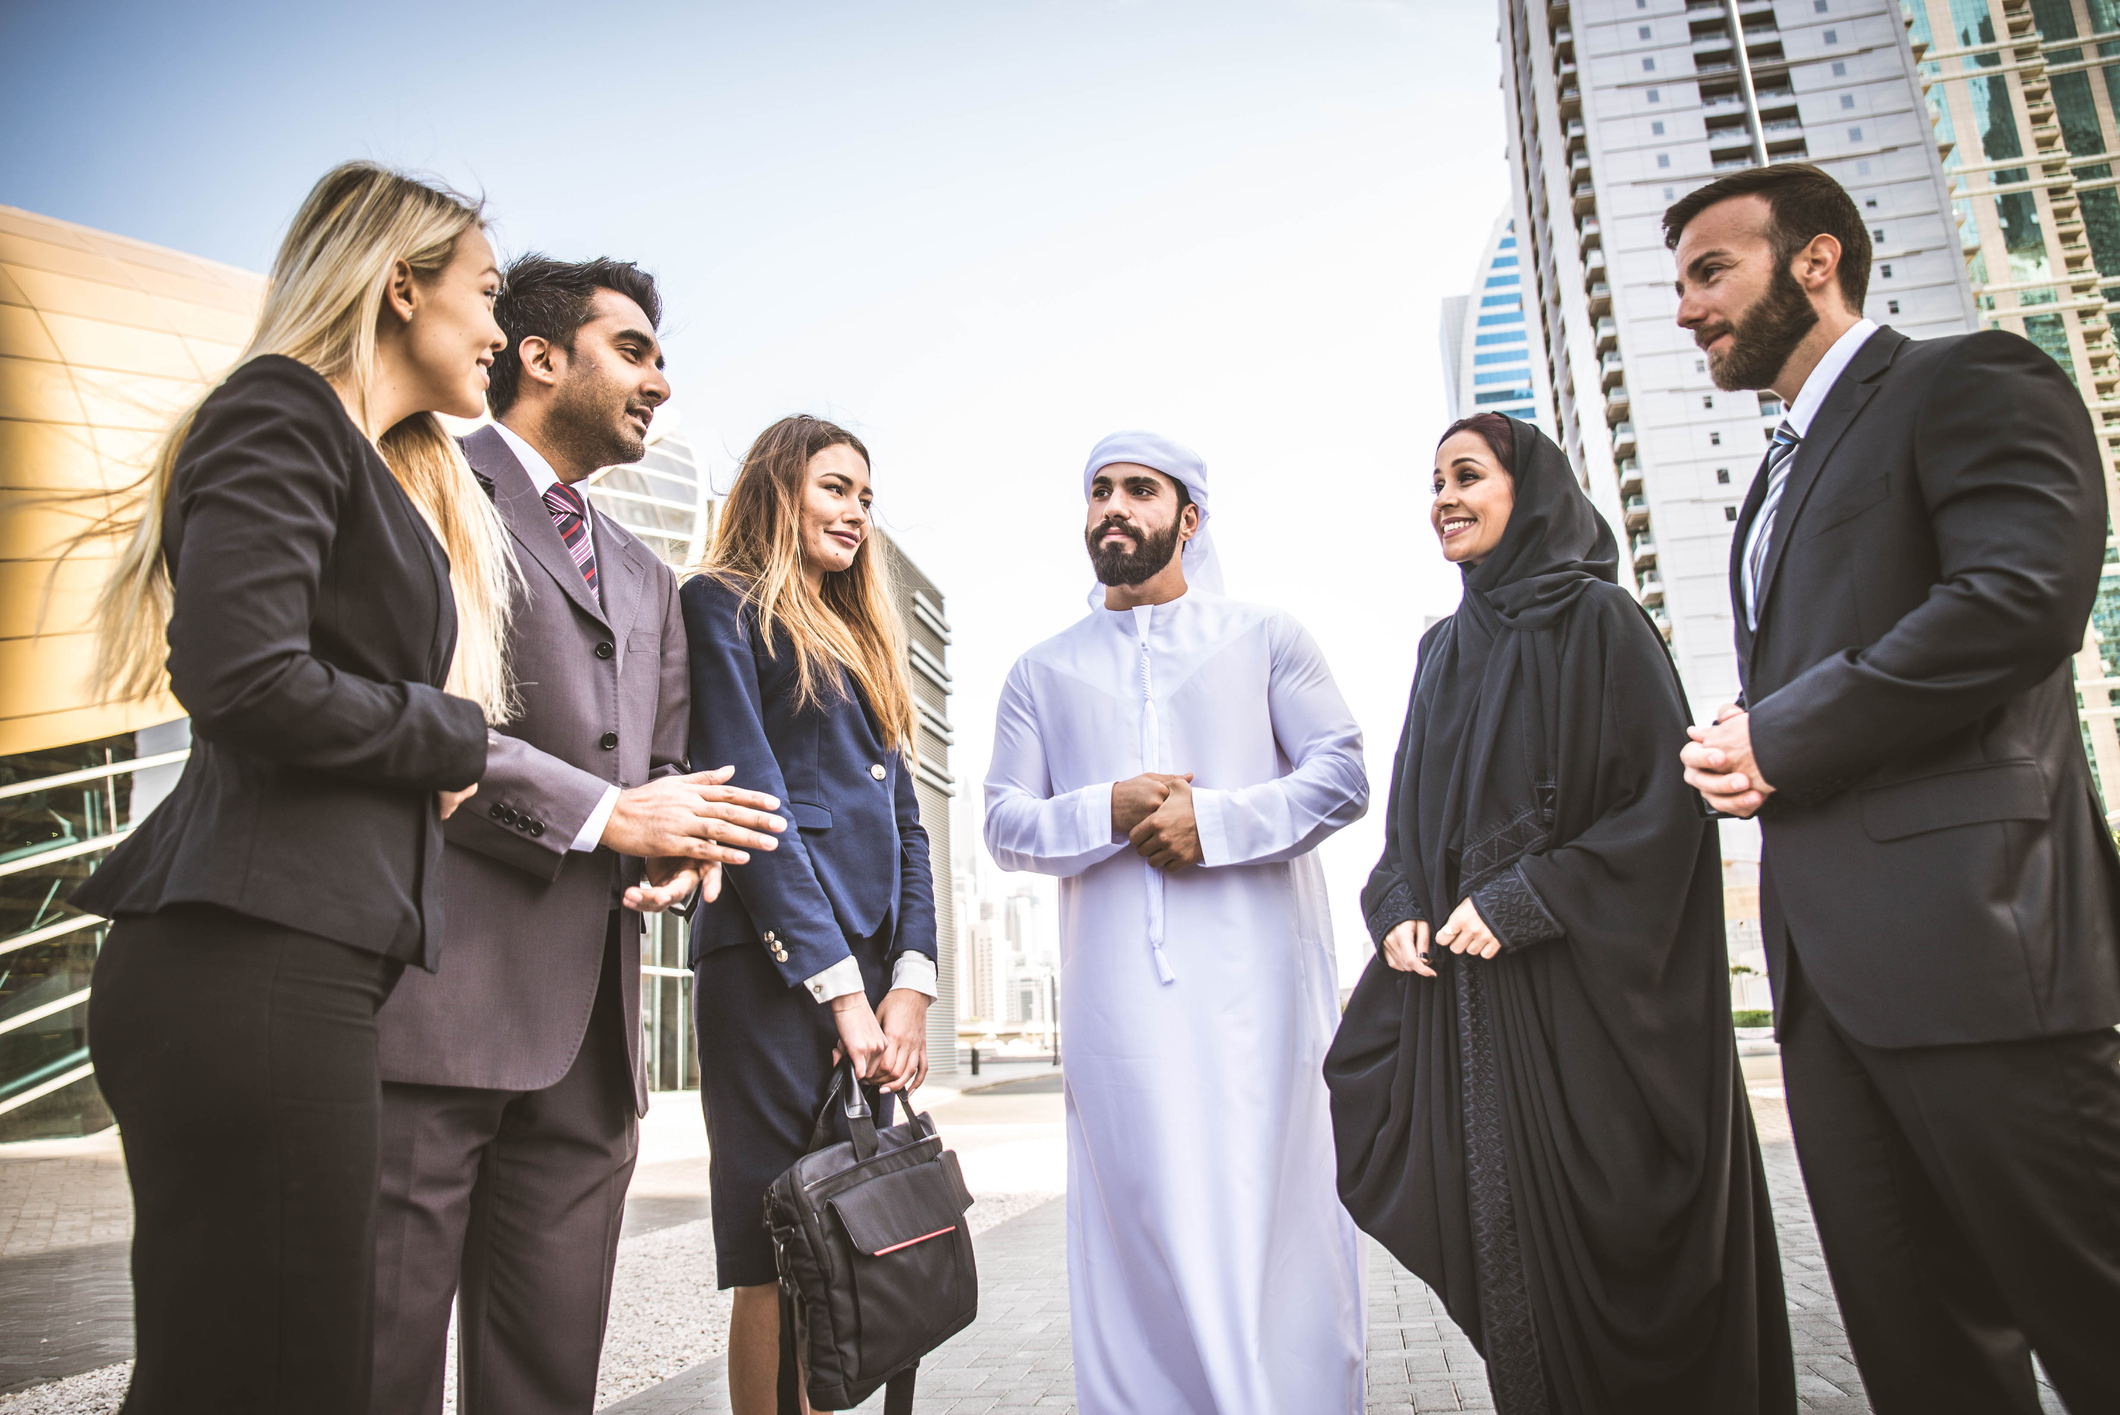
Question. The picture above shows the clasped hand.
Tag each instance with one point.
(1406, 946)
(1154, 811)
(1720, 765)
(888, 1043)
(687, 828)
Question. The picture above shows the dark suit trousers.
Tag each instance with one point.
(1968, 1200)
(514, 1199)
(239, 1058)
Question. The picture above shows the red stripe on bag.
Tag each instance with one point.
(911, 1241)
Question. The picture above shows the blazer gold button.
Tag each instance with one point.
(770, 940)
(877, 771)
(780, 956)
(609, 741)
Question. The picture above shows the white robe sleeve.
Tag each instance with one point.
(1027, 827)
(1327, 786)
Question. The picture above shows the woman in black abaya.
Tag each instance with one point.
(1535, 1091)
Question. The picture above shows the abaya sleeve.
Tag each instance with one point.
(1641, 844)
(1392, 896)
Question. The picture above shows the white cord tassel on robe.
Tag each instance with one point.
(1151, 760)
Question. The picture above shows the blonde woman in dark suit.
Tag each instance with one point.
(326, 587)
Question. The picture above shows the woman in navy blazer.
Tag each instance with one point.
(827, 944)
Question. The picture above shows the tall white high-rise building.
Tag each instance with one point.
(1488, 363)
(1615, 109)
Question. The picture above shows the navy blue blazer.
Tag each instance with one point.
(856, 857)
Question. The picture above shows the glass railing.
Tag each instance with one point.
(61, 811)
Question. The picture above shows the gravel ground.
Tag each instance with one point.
(666, 1317)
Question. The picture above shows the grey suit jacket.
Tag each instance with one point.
(605, 700)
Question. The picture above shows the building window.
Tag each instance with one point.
(1854, 135)
(1885, 271)
(1715, 439)
(1862, 169)
(1877, 233)
(1707, 400)
(1891, 307)
(1832, 36)
(1700, 365)
(1663, 159)
(1722, 476)
(1847, 100)
(1730, 512)
(1656, 95)
(1818, 7)
(1656, 130)
(1670, 194)
(1649, 66)
(1840, 69)
(1643, 32)
(1870, 204)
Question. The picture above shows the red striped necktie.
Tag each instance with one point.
(571, 516)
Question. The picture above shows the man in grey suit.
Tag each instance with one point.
(512, 1077)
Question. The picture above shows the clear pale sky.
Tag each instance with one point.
(981, 235)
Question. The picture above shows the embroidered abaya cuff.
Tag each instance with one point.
(1513, 911)
(1397, 907)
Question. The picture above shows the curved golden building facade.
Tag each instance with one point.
(102, 339)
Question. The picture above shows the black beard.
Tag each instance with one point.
(1764, 336)
(588, 422)
(1151, 553)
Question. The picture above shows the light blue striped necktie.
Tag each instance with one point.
(1780, 457)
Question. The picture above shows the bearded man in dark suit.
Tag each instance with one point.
(1911, 574)
(512, 1077)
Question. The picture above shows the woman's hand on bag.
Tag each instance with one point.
(1406, 948)
(452, 799)
(1467, 932)
(859, 1035)
(903, 1018)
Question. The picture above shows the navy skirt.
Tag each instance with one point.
(765, 1062)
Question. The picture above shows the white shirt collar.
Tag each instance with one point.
(1820, 383)
(542, 476)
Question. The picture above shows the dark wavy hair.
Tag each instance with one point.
(1493, 429)
(1803, 203)
(550, 299)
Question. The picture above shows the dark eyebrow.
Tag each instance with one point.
(642, 338)
(1693, 266)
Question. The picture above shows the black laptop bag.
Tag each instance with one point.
(875, 1260)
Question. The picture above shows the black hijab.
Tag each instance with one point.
(1538, 775)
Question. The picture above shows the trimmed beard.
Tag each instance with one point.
(1763, 337)
(1152, 551)
(588, 421)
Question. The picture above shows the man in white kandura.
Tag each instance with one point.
(1175, 757)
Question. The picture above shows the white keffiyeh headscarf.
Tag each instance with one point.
(1182, 465)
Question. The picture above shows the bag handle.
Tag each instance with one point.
(861, 1122)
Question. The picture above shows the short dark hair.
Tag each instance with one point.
(549, 299)
(1806, 204)
(1491, 428)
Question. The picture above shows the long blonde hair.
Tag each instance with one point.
(851, 622)
(321, 308)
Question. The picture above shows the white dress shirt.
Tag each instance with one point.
(1799, 417)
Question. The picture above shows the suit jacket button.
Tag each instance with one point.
(604, 649)
(537, 828)
(609, 741)
(878, 772)
(780, 955)
(770, 940)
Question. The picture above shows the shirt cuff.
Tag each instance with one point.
(591, 834)
(838, 980)
(915, 971)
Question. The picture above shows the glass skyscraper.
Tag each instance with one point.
(1487, 351)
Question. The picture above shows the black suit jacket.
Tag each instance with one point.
(1935, 850)
(311, 632)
